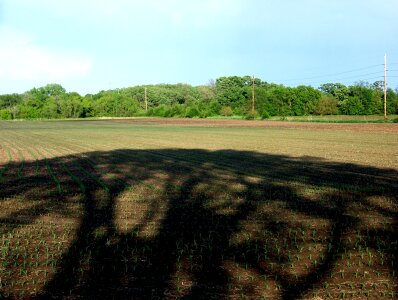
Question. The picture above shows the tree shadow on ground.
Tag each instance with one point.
(198, 224)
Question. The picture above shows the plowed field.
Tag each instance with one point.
(198, 209)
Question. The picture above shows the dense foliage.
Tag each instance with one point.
(226, 96)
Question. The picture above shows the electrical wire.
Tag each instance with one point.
(318, 83)
(335, 77)
(359, 77)
(331, 75)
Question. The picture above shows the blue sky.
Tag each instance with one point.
(93, 45)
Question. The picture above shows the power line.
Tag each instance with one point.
(355, 79)
(373, 78)
(361, 75)
(347, 80)
(358, 78)
(330, 75)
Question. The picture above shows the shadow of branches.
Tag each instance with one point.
(175, 223)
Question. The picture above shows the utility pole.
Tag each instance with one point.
(253, 95)
(385, 86)
(146, 101)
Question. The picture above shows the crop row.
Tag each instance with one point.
(134, 222)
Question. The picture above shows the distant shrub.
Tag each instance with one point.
(251, 115)
(160, 111)
(352, 106)
(327, 105)
(192, 112)
(28, 112)
(226, 111)
(141, 113)
(5, 114)
(177, 111)
(204, 114)
(150, 112)
(214, 108)
(239, 111)
(265, 115)
(168, 112)
(395, 120)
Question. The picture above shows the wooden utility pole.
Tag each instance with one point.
(253, 95)
(385, 86)
(146, 101)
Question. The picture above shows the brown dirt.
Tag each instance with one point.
(198, 221)
(367, 127)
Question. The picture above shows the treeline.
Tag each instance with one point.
(226, 96)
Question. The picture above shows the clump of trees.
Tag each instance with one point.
(226, 96)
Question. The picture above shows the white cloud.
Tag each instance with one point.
(22, 59)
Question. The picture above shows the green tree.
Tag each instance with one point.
(5, 114)
(206, 93)
(87, 107)
(281, 98)
(192, 112)
(10, 100)
(231, 90)
(127, 107)
(51, 89)
(27, 111)
(327, 105)
(70, 105)
(377, 97)
(392, 101)
(337, 90)
(50, 109)
(352, 106)
(226, 111)
(364, 95)
(304, 100)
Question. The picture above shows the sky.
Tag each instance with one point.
(93, 45)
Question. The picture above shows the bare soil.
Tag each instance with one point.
(367, 127)
(139, 209)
